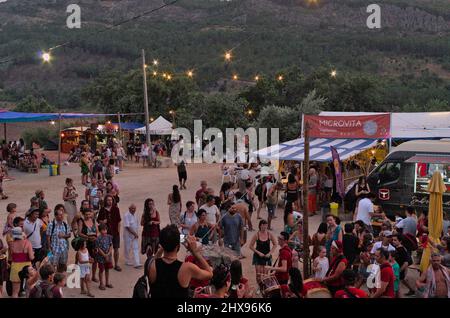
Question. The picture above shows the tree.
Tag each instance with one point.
(31, 104)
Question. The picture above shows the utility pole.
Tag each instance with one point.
(147, 120)
(59, 144)
(306, 269)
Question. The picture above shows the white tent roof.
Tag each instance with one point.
(160, 126)
(411, 125)
(319, 149)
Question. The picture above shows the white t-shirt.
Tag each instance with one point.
(29, 228)
(365, 207)
(244, 174)
(130, 221)
(324, 265)
(211, 213)
(144, 151)
(378, 245)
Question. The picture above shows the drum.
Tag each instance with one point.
(315, 289)
(269, 286)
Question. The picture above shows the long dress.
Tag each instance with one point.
(174, 213)
(70, 205)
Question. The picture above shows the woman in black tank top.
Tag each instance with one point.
(166, 284)
(262, 248)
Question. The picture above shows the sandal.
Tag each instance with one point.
(90, 295)
(95, 280)
(117, 268)
(109, 286)
(102, 287)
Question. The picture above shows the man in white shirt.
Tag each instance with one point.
(366, 211)
(131, 237)
(212, 214)
(32, 229)
(385, 243)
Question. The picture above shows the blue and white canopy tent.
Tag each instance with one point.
(319, 149)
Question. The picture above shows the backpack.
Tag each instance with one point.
(42, 293)
(258, 190)
(141, 289)
(53, 228)
(410, 242)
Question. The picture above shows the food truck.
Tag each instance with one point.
(402, 178)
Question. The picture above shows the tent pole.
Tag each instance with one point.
(120, 128)
(306, 271)
(59, 144)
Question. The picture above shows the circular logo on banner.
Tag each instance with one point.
(370, 128)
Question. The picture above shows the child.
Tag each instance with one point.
(103, 246)
(84, 261)
(3, 174)
(396, 269)
(59, 280)
(11, 208)
(321, 264)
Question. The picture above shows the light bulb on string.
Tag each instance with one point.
(190, 74)
(235, 77)
(333, 73)
(228, 56)
(257, 78)
(155, 62)
(280, 77)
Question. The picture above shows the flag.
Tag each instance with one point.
(338, 172)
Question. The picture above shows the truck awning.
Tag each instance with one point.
(431, 158)
(319, 149)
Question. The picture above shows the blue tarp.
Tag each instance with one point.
(19, 117)
(130, 126)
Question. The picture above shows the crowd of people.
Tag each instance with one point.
(351, 260)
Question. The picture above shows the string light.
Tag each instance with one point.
(145, 65)
(164, 75)
(280, 77)
(152, 119)
(171, 112)
(52, 122)
(169, 77)
(155, 62)
(250, 112)
(235, 77)
(190, 74)
(256, 78)
(46, 57)
(155, 73)
(333, 73)
(228, 56)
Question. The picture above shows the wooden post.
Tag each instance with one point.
(59, 144)
(306, 269)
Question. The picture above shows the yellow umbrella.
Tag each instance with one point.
(435, 217)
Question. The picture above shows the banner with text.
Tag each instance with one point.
(364, 126)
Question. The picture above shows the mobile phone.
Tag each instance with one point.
(182, 238)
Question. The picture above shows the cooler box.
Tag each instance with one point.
(334, 208)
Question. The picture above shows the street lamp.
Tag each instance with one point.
(46, 57)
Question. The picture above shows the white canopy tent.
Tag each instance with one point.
(411, 125)
(160, 126)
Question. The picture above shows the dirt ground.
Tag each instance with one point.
(136, 184)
